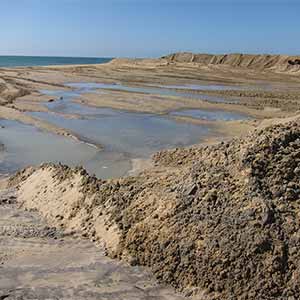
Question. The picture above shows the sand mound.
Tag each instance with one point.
(280, 63)
(218, 221)
(258, 62)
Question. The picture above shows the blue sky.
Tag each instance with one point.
(144, 28)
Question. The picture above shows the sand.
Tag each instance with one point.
(188, 215)
(41, 262)
(217, 221)
(20, 86)
(264, 62)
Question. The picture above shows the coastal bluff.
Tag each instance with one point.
(257, 62)
(261, 62)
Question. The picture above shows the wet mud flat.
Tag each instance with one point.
(126, 136)
(161, 90)
(41, 262)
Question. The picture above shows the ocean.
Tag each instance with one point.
(24, 61)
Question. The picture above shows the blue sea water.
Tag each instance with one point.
(24, 61)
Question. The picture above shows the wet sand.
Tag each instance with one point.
(150, 86)
(30, 95)
(23, 85)
(36, 260)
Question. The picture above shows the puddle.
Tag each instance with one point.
(67, 106)
(161, 90)
(123, 135)
(25, 145)
(263, 86)
(130, 135)
(136, 134)
(210, 115)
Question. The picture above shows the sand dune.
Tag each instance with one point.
(284, 64)
(264, 62)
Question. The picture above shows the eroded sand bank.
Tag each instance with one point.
(216, 222)
(41, 262)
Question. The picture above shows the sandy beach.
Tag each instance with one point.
(213, 185)
(20, 89)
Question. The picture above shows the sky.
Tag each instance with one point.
(148, 28)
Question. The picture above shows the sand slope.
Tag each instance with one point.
(263, 62)
(219, 221)
(284, 64)
(41, 262)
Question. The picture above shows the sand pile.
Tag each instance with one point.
(281, 63)
(221, 221)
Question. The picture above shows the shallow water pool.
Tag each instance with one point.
(136, 134)
(124, 135)
(83, 87)
(196, 87)
(26, 145)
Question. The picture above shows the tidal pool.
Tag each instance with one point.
(131, 135)
(138, 135)
(222, 87)
(196, 87)
(124, 136)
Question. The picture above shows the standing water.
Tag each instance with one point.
(26, 145)
(123, 135)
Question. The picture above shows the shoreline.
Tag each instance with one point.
(194, 215)
(132, 74)
(55, 63)
(175, 204)
(141, 74)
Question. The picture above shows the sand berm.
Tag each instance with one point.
(219, 221)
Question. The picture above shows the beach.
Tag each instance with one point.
(251, 93)
(186, 165)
